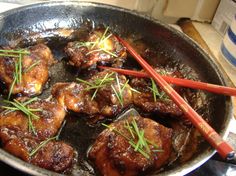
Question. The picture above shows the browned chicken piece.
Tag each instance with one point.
(145, 100)
(18, 140)
(35, 70)
(56, 156)
(51, 116)
(101, 47)
(78, 97)
(113, 155)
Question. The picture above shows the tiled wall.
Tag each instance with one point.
(165, 10)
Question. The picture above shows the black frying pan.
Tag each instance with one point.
(27, 24)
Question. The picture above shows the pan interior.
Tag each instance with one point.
(57, 23)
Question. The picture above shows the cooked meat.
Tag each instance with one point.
(17, 139)
(113, 155)
(185, 141)
(74, 97)
(34, 70)
(100, 47)
(78, 97)
(145, 100)
(56, 155)
(51, 117)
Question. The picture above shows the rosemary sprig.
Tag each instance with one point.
(100, 43)
(22, 107)
(134, 90)
(108, 52)
(29, 112)
(20, 51)
(93, 51)
(161, 95)
(154, 90)
(11, 109)
(163, 72)
(20, 68)
(85, 82)
(11, 88)
(97, 83)
(83, 44)
(43, 143)
(32, 66)
(101, 83)
(103, 35)
(142, 144)
(9, 55)
(107, 79)
(127, 126)
(17, 75)
(131, 142)
(121, 88)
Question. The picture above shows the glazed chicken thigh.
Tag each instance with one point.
(106, 93)
(21, 134)
(96, 121)
(101, 47)
(34, 70)
(152, 99)
(114, 151)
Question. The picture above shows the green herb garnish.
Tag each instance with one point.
(121, 88)
(119, 93)
(43, 143)
(142, 144)
(156, 93)
(83, 44)
(100, 43)
(163, 72)
(97, 83)
(32, 66)
(107, 79)
(17, 75)
(29, 112)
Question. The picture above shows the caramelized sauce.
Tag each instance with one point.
(78, 131)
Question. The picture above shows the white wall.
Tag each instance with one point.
(168, 11)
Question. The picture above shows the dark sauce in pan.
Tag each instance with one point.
(81, 133)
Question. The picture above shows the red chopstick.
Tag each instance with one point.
(223, 148)
(179, 81)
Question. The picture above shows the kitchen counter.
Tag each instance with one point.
(213, 40)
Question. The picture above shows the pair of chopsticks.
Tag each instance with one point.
(179, 81)
(223, 148)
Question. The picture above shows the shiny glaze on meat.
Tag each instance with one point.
(56, 156)
(74, 97)
(113, 155)
(32, 80)
(84, 56)
(19, 141)
(145, 100)
(79, 133)
(51, 118)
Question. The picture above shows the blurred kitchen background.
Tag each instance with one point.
(169, 11)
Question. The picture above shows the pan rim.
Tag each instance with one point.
(199, 160)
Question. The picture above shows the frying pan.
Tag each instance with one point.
(42, 21)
